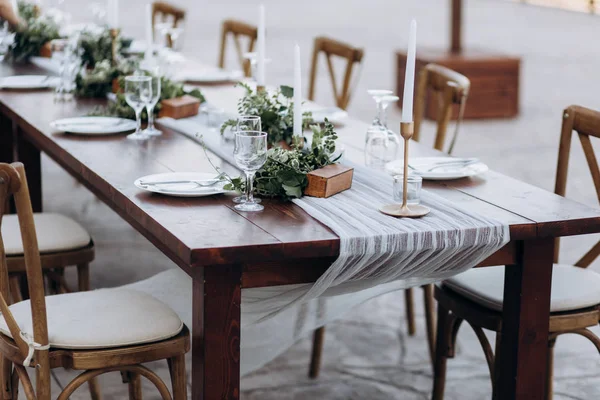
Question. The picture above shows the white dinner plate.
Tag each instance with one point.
(28, 82)
(181, 189)
(335, 115)
(93, 126)
(422, 167)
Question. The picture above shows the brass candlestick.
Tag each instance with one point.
(415, 210)
(114, 35)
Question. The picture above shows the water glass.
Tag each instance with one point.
(250, 154)
(138, 92)
(414, 184)
(247, 123)
(156, 91)
(382, 147)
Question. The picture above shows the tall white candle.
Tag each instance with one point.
(260, 65)
(297, 92)
(116, 14)
(149, 35)
(409, 78)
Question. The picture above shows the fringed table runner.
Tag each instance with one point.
(378, 254)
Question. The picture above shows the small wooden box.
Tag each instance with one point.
(179, 107)
(329, 180)
(494, 81)
(46, 50)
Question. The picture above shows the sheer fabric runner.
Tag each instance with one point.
(378, 254)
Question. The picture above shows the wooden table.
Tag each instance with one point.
(224, 250)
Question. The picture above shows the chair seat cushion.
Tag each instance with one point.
(573, 288)
(102, 318)
(55, 233)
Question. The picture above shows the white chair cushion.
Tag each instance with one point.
(572, 287)
(100, 319)
(55, 233)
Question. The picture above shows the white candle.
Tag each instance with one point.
(409, 78)
(15, 6)
(149, 35)
(297, 92)
(116, 14)
(260, 65)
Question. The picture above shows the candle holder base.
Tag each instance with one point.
(410, 211)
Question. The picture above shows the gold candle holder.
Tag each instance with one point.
(114, 35)
(260, 88)
(404, 211)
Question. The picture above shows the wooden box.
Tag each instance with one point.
(494, 81)
(180, 107)
(46, 50)
(329, 180)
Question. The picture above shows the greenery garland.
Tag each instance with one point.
(274, 111)
(29, 39)
(284, 174)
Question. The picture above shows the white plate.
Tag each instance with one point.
(422, 164)
(335, 115)
(27, 82)
(93, 125)
(210, 76)
(181, 189)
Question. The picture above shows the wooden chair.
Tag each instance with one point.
(237, 29)
(476, 296)
(161, 10)
(453, 88)
(330, 47)
(97, 332)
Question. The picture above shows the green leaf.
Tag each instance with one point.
(287, 91)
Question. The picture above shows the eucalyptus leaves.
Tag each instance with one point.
(274, 111)
(30, 38)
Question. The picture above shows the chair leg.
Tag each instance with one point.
(430, 320)
(15, 289)
(94, 387)
(550, 373)
(410, 311)
(135, 386)
(6, 378)
(83, 277)
(317, 351)
(497, 362)
(444, 333)
(178, 377)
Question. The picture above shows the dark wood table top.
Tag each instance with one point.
(209, 231)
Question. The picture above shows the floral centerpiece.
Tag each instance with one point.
(274, 111)
(29, 39)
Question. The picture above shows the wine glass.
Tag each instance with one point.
(250, 154)
(138, 92)
(156, 82)
(378, 95)
(247, 123)
(59, 48)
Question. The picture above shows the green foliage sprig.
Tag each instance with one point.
(30, 38)
(275, 111)
(97, 46)
(284, 174)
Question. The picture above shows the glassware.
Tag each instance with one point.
(59, 48)
(156, 91)
(174, 34)
(250, 154)
(414, 184)
(247, 123)
(382, 144)
(378, 95)
(138, 92)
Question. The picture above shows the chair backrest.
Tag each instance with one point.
(450, 88)
(238, 29)
(330, 47)
(162, 11)
(586, 123)
(13, 182)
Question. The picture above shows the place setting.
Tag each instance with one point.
(28, 82)
(183, 184)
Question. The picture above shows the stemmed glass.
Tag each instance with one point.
(378, 95)
(247, 123)
(250, 155)
(60, 49)
(138, 92)
(382, 144)
(151, 129)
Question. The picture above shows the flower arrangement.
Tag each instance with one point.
(284, 174)
(274, 111)
(29, 39)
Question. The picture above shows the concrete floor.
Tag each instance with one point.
(368, 355)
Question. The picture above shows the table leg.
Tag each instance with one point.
(216, 333)
(524, 347)
(31, 157)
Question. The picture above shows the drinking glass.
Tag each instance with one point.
(151, 129)
(250, 154)
(59, 48)
(413, 183)
(378, 95)
(247, 123)
(138, 92)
